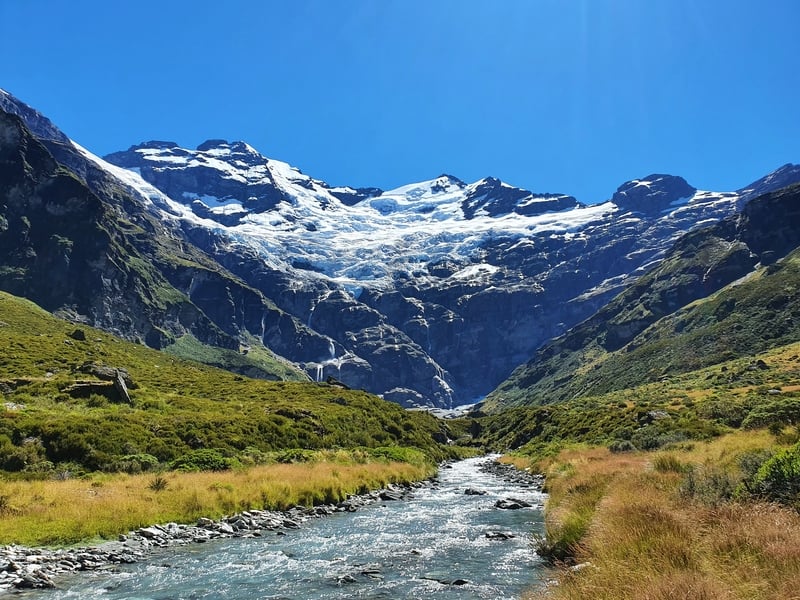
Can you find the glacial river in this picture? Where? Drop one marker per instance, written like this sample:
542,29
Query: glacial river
433,545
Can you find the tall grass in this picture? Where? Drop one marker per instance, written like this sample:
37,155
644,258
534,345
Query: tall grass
647,540
103,506
576,483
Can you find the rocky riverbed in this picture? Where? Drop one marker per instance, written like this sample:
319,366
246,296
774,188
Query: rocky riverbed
463,534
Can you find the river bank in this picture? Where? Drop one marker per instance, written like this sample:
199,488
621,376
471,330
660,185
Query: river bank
70,511
262,530
31,568
46,524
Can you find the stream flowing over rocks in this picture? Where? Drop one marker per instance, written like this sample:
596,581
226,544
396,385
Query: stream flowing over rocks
465,534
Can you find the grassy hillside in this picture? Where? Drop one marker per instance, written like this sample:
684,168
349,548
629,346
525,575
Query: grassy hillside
686,487
725,292
254,361
182,414
679,523
757,391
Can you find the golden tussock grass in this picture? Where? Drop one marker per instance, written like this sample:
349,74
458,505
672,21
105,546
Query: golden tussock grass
647,541
67,512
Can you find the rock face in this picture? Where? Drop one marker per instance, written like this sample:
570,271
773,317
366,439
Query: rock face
429,294
653,194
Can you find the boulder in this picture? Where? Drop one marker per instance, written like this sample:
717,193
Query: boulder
512,504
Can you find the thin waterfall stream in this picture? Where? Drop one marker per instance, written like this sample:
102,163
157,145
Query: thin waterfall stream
439,543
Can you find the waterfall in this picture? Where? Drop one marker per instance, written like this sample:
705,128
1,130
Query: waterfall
331,349
311,314
319,373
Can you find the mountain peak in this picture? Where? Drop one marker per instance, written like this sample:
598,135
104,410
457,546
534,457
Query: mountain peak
235,151
652,194
154,145
495,197
211,144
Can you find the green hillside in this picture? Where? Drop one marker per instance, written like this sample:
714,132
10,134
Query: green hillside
60,413
753,392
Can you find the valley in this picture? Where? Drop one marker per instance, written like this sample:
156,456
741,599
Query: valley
189,335
405,293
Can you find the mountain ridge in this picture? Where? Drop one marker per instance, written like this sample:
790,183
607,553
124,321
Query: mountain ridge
429,294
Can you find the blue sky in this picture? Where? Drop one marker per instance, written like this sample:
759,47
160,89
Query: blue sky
572,96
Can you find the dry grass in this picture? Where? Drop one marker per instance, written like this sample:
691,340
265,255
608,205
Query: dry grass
645,541
66,512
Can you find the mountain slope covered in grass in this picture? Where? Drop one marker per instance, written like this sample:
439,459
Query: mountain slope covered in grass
723,292
63,409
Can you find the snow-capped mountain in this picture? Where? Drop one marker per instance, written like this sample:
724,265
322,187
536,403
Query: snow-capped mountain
430,294
454,282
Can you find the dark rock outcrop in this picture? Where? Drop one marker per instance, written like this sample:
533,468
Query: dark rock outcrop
652,194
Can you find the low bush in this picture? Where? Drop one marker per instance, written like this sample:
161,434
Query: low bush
135,463
618,446
205,459
778,479
709,485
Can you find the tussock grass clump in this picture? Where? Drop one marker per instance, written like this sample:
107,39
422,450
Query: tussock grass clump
669,463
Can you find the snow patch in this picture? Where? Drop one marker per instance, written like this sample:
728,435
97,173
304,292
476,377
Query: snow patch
475,271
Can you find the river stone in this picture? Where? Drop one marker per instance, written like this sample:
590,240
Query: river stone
152,533
390,495
35,581
225,528
511,504
499,535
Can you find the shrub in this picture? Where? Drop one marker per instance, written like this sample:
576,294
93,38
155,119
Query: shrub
709,485
778,478
751,462
651,438
135,463
399,454
778,412
618,446
205,459
295,455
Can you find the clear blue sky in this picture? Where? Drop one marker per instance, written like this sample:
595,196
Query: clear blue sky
572,96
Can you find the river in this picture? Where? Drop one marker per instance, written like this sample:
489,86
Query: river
433,545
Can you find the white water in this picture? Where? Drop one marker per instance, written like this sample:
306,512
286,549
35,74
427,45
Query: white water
390,550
